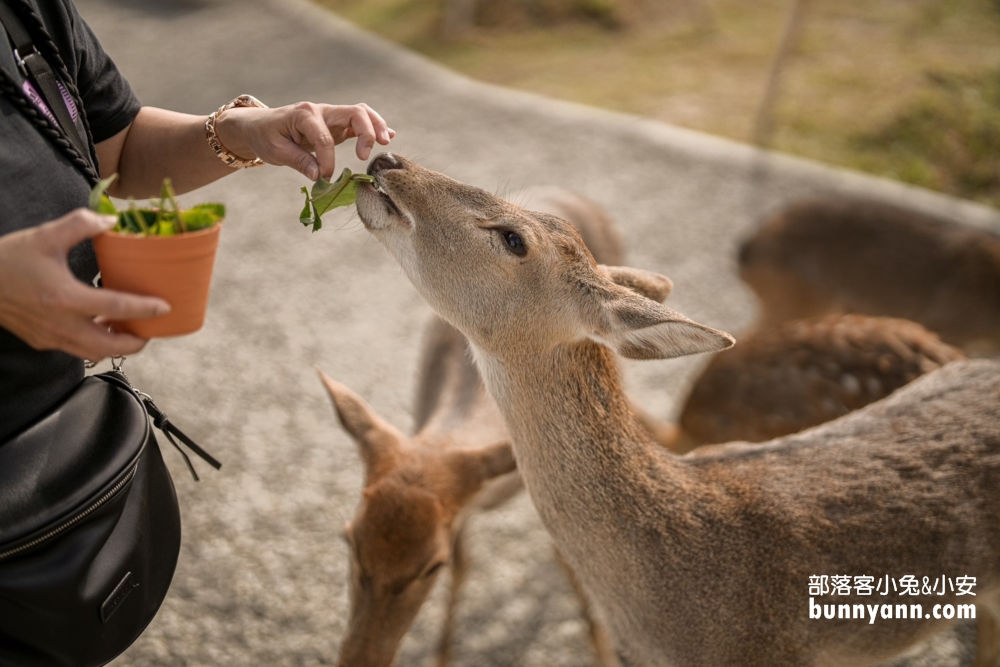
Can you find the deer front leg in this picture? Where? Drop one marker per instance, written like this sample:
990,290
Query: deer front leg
459,568
604,648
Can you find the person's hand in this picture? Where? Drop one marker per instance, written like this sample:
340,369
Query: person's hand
43,304
288,136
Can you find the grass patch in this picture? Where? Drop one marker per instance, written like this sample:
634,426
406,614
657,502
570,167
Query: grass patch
947,139
901,88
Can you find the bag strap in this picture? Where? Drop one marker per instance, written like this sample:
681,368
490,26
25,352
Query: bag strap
33,65
117,376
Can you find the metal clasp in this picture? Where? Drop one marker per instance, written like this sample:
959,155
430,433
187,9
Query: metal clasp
116,367
20,61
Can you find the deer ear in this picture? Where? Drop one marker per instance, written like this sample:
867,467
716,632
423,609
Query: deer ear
473,468
646,283
496,460
377,440
639,328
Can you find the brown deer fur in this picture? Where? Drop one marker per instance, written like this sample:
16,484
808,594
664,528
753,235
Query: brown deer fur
857,256
804,373
420,490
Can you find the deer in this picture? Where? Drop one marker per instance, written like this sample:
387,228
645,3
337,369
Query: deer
824,256
803,373
697,560
419,491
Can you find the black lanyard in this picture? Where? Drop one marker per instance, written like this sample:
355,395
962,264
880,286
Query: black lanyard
34,67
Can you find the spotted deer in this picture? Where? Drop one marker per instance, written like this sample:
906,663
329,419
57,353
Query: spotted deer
696,560
803,373
419,491
818,257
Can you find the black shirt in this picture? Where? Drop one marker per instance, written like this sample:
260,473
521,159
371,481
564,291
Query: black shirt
38,183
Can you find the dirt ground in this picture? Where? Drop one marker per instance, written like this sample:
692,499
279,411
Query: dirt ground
262,574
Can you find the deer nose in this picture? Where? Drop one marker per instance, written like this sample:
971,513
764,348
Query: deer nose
383,161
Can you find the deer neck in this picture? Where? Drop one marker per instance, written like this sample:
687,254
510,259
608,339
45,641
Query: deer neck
578,447
612,502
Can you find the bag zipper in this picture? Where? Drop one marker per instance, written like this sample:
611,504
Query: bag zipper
122,483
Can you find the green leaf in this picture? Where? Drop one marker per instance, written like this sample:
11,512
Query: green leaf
196,220
202,216
317,222
127,224
218,210
105,207
159,220
326,195
305,217
99,201
342,192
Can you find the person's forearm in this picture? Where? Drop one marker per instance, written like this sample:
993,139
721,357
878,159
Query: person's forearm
160,144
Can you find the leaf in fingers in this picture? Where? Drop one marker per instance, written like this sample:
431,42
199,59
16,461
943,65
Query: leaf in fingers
305,217
317,222
326,195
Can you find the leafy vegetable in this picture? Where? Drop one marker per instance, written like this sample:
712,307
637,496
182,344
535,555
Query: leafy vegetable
99,200
157,219
202,216
326,195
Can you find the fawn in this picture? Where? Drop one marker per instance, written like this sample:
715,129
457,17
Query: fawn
696,560
838,256
420,490
803,373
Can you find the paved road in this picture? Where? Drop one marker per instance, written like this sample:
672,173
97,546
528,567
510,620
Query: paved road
261,580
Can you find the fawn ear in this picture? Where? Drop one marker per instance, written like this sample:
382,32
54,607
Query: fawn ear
648,284
639,328
496,460
378,441
473,468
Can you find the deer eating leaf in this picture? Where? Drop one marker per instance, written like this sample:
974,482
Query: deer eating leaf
326,195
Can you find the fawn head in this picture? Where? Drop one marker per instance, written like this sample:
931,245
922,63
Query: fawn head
516,280
402,533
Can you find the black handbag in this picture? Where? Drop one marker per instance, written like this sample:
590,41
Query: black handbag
89,527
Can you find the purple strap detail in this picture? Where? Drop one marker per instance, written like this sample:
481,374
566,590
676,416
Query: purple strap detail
32,94
68,101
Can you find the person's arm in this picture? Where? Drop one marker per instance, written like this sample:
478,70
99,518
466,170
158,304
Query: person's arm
45,306
161,143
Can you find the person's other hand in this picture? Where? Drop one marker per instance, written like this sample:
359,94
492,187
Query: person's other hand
43,304
288,136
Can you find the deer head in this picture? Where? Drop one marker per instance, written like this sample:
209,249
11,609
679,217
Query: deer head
513,280
402,533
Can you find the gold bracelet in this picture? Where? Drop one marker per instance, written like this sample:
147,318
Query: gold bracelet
221,151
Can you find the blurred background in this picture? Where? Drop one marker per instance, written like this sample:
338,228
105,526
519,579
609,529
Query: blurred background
906,89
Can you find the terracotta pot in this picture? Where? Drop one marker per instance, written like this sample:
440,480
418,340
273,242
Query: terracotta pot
178,269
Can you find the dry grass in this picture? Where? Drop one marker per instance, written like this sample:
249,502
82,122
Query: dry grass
902,88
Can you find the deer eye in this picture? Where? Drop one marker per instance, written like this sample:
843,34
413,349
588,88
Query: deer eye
514,243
